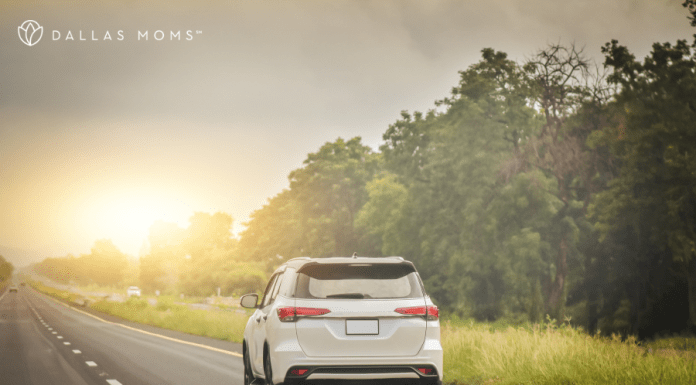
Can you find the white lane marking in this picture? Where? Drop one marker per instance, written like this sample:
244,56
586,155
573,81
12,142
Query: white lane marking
60,337
54,332
113,382
50,328
91,363
148,333
66,343
77,351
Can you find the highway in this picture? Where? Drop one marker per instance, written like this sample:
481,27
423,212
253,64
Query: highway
45,342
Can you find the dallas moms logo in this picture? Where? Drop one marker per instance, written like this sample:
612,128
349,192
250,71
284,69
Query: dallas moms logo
30,32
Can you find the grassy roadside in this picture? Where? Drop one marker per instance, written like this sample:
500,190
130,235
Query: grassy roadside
474,353
546,354
223,325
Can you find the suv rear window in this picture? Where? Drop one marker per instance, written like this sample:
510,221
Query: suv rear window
358,281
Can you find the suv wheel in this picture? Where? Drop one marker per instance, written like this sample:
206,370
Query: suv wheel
248,374
267,371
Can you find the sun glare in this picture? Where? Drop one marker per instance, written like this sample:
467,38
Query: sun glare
125,217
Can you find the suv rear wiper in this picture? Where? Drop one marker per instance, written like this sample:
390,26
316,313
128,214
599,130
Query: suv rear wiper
347,295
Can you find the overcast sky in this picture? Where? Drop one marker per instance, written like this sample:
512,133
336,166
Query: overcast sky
99,138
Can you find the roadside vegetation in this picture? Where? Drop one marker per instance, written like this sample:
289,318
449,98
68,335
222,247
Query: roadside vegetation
475,353
6,270
222,325
478,353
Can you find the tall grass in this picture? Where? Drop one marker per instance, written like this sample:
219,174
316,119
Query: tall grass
56,293
475,353
223,325
546,354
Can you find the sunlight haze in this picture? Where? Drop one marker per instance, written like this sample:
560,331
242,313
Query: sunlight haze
99,139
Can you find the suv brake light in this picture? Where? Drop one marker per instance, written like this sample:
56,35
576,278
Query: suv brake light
431,313
290,313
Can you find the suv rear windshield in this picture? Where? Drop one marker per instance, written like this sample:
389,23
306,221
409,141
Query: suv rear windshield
358,281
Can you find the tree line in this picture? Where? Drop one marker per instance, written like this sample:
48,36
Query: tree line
6,269
549,186
196,260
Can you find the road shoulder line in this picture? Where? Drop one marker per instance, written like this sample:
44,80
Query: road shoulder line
235,354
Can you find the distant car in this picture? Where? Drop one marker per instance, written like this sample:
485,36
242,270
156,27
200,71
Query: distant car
23,284
13,289
359,319
133,291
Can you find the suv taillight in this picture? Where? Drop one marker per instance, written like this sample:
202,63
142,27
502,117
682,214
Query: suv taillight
429,312
290,313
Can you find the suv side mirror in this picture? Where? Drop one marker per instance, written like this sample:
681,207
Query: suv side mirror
249,300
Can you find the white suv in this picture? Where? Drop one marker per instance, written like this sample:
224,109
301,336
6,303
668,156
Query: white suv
343,319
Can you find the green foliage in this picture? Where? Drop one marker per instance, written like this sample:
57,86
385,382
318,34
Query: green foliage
222,325
106,265
6,269
159,270
691,6
653,198
316,215
384,213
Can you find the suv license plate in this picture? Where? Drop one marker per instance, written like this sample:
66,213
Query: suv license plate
362,326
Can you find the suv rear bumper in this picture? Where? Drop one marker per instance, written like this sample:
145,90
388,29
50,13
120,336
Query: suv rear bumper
420,374
402,370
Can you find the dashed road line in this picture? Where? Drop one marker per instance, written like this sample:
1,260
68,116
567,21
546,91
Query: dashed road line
91,364
148,333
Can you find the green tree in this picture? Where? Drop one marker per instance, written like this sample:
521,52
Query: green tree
561,84
655,191
64,270
160,268
6,269
384,215
690,5
208,244
452,164
105,265
316,215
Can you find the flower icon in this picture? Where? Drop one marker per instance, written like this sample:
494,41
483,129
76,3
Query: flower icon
30,32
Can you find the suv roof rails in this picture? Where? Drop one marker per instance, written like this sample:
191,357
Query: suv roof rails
396,257
299,259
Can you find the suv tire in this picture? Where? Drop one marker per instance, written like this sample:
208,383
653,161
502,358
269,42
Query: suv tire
267,370
248,374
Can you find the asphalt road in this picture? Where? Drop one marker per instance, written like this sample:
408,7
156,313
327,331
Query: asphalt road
44,342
